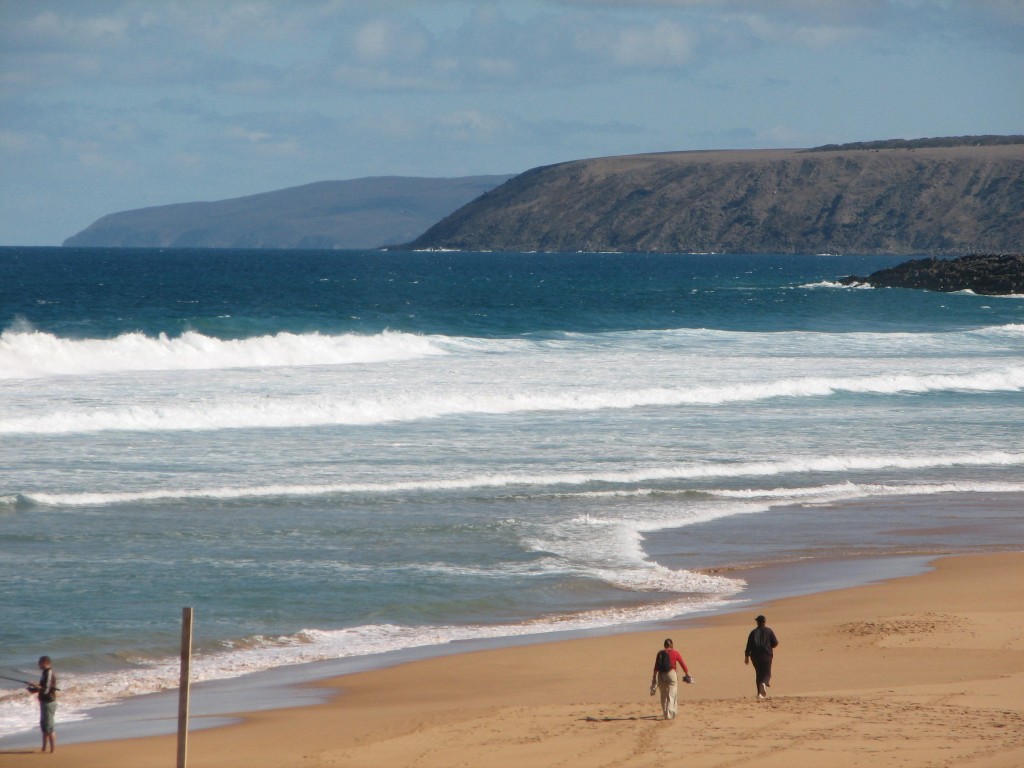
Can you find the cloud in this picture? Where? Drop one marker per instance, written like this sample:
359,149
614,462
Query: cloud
386,40
660,45
50,30
469,125
820,22
165,100
259,47
765,30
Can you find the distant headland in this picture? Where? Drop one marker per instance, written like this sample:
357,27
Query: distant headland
943,197
357,213
938,196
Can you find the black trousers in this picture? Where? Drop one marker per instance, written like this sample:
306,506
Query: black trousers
762,668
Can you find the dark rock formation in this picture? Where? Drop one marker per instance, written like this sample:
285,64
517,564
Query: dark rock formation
989,274
943,141
359,213
942,200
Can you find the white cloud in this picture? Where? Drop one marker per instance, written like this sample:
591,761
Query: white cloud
387,40
164,100
246,135
767,30
666,43
50,27
468,125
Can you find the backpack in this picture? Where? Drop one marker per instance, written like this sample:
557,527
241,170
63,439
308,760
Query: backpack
663,662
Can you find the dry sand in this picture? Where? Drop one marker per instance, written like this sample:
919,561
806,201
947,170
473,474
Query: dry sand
919,671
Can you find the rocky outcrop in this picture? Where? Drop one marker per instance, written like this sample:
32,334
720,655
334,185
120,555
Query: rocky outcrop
989,274
941,141
940,200
359,213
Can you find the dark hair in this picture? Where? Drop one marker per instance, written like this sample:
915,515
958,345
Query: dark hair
44,659
668,641
760,619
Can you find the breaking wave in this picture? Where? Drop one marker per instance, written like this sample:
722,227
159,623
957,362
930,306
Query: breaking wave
823,464
327,409
34,354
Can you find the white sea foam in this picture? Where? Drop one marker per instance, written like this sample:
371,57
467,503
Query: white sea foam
1009,329
812,494
81,693
328,409
27,353
684,471
33,354
609,547
834,284
852,490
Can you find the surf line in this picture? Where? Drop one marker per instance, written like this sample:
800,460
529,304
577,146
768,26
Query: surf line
827,464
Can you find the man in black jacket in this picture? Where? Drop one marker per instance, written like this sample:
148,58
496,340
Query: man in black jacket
761,644
46,690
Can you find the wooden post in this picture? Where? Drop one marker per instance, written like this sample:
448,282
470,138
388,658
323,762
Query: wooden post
183,688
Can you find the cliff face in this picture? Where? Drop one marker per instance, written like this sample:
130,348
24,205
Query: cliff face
359,213
936,200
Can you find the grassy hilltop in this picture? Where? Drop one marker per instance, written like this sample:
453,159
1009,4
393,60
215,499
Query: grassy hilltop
936,196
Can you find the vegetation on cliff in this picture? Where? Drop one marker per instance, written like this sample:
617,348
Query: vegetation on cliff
942,141
947,200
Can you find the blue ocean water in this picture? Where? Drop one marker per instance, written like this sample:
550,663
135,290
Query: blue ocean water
337,454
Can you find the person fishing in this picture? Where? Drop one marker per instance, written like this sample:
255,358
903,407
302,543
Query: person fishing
46,690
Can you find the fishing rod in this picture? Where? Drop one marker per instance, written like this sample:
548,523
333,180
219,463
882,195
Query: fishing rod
23,682
15,680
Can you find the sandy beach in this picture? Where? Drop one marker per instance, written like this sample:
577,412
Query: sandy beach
918,671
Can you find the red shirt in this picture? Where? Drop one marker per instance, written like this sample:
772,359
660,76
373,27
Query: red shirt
676,658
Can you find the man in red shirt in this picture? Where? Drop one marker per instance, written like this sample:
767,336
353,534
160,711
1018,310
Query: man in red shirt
665,679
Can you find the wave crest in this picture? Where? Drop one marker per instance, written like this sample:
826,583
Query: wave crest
823,464
336,410
26,354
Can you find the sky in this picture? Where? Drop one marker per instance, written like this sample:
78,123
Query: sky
111,105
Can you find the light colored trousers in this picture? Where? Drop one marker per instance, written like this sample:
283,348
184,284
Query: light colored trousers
668,687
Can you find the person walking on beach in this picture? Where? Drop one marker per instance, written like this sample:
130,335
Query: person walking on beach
665,680
46,690
761,645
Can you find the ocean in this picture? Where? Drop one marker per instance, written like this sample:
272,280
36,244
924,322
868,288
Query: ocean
341,454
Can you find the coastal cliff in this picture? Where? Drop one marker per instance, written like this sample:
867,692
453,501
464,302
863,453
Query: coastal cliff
874,198
357,213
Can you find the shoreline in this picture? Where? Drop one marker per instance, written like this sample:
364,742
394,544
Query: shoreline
214,703
859,545
433,700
